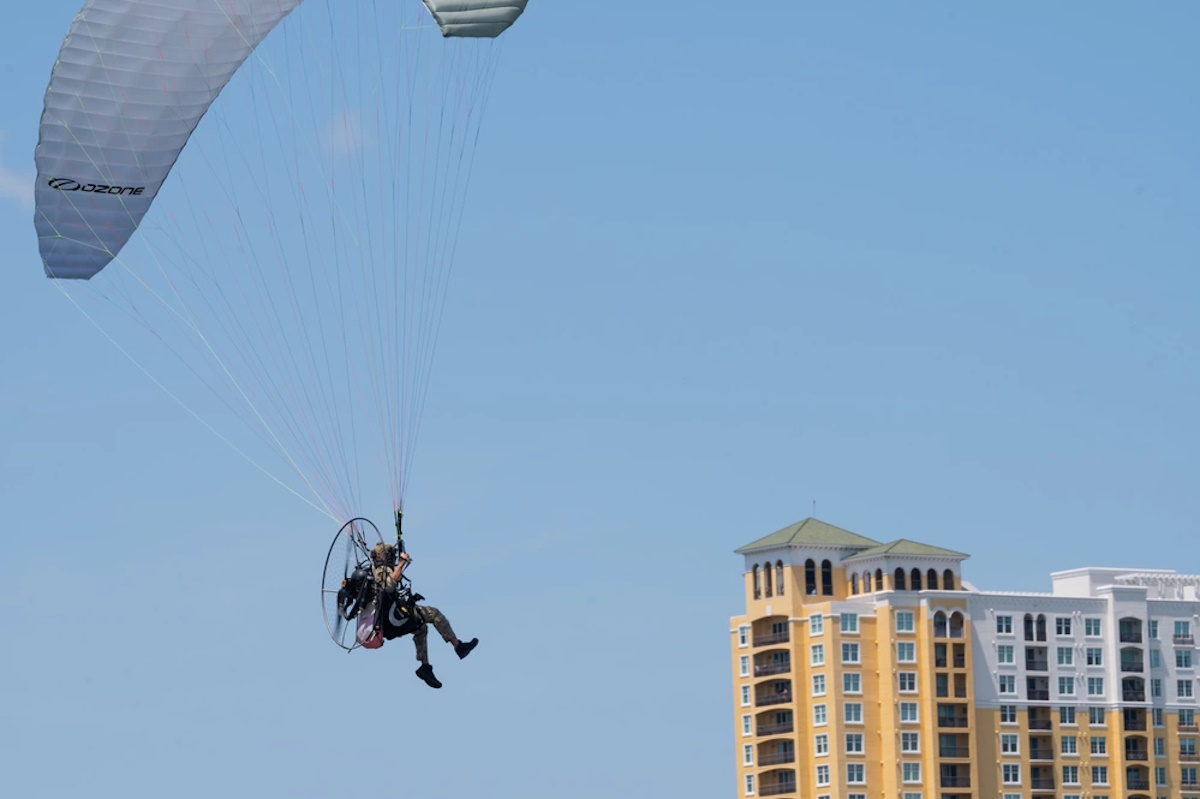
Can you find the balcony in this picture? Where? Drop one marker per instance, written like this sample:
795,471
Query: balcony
1184,640
1137,784
1132,666
1193,727
772,638
1131,636
776,758
777,789
1041,754
781,698
767,669
1137,754
960,661
960,752
1042,783
1135,725
1038,695
1133,695
1188,757
963,781
1037,665
1040,724
952,722
778,728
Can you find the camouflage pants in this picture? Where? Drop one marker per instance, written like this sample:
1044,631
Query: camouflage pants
421,636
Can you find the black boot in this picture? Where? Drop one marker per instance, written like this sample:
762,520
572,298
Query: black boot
464,647
426,674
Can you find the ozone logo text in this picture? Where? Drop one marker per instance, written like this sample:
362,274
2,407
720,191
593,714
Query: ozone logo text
67,184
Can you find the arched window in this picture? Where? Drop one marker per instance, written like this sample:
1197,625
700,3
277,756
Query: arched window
867,581
810,577
1029,627
879,579
767,578
826,578
948,580
779,577
1041,627
916,580
956,625
931,580
854,583
757,583
939,625
898,580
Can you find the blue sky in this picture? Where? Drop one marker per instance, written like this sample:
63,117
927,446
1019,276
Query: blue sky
934,269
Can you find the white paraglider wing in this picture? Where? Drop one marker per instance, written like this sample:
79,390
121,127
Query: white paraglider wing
482,18
132,80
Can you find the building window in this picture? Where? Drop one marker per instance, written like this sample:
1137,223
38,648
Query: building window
1066,686
852,712
816,624
904,621
767,578
746,728
748,754
855,773
1095,656
1153,623
819,716
810,577
779,577
1155,660
821,745
1096,716
1005,654
1066,656
911,772
1011,773
1100,775
1091,628
854,743
1008,683
826,578
749,785
1066,715
1070,775
906,652
854,584
908,712
744,665
908,682
1183,658
1160,777
851,682
849,653
1062,625
1099,745
745,696
822,775
1069,745
1095,686
818,683
744,635
1184,688
1156,691
1008,714
1004,625
1010,744
910,742
818,655
849,622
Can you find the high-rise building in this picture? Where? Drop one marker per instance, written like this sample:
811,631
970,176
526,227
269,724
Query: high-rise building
866,670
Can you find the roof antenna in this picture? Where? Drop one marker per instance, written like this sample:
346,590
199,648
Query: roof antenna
814,509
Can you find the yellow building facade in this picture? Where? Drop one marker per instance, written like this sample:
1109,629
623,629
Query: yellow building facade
868,669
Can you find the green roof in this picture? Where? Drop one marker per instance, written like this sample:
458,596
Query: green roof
812,532
903,546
